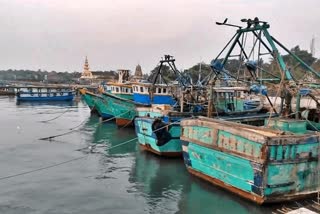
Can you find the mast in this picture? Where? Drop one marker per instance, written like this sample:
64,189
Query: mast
262,38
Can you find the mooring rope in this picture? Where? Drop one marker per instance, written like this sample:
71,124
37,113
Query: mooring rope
75,159
45,121
103,121
61,163
73,129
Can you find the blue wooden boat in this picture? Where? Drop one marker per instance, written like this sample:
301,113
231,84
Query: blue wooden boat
33,93
257,163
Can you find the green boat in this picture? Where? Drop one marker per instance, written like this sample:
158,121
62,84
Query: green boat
88,99
257,163
158,130
124,110
97,102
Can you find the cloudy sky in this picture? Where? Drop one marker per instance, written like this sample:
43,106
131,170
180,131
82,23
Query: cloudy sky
58,34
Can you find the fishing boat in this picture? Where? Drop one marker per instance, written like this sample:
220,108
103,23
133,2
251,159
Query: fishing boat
87,98
124,110
123,87
37,93
257,163
148,93
123,90
144,94
7,91
158,127
96,102
276,162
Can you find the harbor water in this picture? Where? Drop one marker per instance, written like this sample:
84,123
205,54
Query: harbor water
107,179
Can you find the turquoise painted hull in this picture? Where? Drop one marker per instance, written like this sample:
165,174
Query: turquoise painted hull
124,110
89,101
125,96
101,107
259,164
166,142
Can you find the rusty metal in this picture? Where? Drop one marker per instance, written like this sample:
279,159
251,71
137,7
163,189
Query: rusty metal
123,122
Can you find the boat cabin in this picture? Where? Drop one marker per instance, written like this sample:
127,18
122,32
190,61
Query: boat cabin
229,98
123,90
147,93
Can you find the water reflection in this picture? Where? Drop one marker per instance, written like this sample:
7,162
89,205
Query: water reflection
109,135
168,188
47,103
164,185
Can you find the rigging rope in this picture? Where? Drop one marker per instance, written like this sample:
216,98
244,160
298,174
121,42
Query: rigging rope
278,91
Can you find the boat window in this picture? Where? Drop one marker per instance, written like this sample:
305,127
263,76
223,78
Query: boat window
159,90
141,89
164,90
117,89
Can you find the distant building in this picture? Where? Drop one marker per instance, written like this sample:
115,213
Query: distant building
95,77
123,75
138,76
104,76
86,73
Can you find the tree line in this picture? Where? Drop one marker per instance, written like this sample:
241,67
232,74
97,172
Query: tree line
232,66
